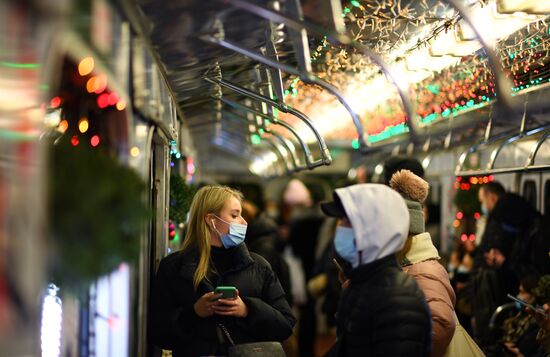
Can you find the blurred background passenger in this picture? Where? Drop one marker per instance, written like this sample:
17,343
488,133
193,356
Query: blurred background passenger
515,244
300,223
459,267
401,162
262,235
519,331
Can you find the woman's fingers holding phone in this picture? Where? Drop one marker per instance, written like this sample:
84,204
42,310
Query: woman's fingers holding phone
204,306
231,307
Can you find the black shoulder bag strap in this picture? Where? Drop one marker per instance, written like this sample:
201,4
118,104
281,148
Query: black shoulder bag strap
222,331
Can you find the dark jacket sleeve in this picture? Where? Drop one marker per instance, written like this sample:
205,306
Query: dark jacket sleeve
269,318
334,350
171,322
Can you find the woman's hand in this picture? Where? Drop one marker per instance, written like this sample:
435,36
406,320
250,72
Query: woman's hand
204,307
231,307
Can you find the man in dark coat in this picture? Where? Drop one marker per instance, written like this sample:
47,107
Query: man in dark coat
514,245
382,311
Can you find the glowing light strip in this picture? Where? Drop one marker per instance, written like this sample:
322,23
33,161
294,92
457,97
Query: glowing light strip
50,331
16,65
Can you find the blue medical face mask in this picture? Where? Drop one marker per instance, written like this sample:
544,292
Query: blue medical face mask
236,234
518,305
484,210
344,243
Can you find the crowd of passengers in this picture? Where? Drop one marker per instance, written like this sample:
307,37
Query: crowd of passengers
371,266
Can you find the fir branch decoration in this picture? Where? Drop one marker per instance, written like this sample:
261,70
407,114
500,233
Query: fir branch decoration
181,196
98,214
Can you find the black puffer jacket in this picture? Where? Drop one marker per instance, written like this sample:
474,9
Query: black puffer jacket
261,238
382,313
176,327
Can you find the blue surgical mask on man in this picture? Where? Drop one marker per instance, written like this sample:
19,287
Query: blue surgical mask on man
484,210
344,243
236,234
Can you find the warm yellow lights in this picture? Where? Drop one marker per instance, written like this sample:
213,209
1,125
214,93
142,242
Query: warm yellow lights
422,60
491,24
494,25
91,85
63,126
134,151
86,66
121,105
96,84
83,125
449,45
528,6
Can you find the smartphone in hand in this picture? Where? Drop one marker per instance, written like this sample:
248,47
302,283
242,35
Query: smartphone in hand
338,266
228,292
538,309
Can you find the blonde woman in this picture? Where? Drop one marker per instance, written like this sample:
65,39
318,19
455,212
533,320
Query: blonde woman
186,311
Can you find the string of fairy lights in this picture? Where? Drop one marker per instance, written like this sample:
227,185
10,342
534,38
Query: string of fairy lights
469,84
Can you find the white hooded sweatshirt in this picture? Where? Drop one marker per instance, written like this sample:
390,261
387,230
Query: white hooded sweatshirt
379,217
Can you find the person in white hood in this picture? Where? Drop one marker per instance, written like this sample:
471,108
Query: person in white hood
382,311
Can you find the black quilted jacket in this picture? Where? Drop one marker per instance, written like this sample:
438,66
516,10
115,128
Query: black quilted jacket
382,313
175,326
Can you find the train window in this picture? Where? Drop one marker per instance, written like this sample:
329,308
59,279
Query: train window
546,202
530,192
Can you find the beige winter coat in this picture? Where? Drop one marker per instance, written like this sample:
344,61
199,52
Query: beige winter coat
421,263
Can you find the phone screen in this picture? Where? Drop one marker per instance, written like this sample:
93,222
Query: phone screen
526,304
338,266
228,292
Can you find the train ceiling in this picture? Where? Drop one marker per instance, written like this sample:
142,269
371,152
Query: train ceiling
436,59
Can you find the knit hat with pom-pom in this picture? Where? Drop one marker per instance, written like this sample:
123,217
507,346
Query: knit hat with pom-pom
414,190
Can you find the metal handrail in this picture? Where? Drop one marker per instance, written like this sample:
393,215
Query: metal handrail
326,158
295,164
528,165
275,121
279,154
535,150
277,136
338,38
305,76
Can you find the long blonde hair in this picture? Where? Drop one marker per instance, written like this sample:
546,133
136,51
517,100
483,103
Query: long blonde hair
209,199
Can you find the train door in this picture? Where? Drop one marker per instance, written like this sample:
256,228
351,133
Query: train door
545,194
159,179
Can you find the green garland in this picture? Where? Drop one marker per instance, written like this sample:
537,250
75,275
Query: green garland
181,196
98,214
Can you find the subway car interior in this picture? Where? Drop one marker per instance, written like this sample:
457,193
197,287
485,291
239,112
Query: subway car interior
115,113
